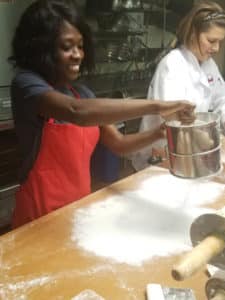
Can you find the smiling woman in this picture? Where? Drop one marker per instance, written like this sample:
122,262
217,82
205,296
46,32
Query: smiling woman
58,122
69,54
189,71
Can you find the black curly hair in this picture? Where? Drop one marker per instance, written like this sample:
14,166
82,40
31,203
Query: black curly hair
35,39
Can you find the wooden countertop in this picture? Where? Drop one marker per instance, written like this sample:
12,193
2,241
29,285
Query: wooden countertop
39,261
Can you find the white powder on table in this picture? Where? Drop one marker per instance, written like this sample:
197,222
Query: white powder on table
152,221
18,289
178,192
88,295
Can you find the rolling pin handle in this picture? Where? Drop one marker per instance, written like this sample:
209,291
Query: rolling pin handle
198,257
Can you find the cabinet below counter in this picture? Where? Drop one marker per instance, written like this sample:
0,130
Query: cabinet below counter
9,164
9,158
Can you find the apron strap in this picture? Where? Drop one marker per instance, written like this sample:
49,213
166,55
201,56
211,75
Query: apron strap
75,93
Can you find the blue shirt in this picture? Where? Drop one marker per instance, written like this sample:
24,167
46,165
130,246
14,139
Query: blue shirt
28,123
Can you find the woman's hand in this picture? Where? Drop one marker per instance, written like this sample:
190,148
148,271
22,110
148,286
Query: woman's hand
177,110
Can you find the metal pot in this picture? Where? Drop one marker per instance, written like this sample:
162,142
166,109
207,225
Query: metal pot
194,150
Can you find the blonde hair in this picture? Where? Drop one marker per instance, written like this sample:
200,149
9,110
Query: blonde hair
200,18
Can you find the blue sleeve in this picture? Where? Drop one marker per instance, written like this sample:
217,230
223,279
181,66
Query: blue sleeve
30,84
24,87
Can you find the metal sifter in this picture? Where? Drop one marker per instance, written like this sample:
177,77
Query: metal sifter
194,149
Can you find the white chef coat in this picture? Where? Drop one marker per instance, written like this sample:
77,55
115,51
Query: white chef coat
179,76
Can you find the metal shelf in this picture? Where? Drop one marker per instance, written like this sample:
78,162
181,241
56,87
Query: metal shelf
117,85
6,124
107,34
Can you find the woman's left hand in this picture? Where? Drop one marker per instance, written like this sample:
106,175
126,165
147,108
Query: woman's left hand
178,110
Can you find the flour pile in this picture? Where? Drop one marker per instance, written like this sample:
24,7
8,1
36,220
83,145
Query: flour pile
151,221
178,192
87,295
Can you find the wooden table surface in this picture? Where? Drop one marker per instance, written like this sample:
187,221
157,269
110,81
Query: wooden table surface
40,261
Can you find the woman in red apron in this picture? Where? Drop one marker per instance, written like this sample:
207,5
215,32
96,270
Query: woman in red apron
53,180
57,131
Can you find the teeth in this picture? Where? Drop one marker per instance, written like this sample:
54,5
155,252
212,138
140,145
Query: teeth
75,67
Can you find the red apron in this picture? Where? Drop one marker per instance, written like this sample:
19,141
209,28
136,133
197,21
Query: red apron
60,174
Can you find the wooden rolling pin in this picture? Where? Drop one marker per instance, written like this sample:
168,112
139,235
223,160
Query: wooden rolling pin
208,237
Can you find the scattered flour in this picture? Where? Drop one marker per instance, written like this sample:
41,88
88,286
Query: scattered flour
87,295
17,290
152,221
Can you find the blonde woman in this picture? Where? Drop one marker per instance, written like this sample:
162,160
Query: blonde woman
189,71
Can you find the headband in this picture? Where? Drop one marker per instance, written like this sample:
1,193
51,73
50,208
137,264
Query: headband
214,16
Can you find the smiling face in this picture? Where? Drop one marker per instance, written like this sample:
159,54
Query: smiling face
208,43
69,54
